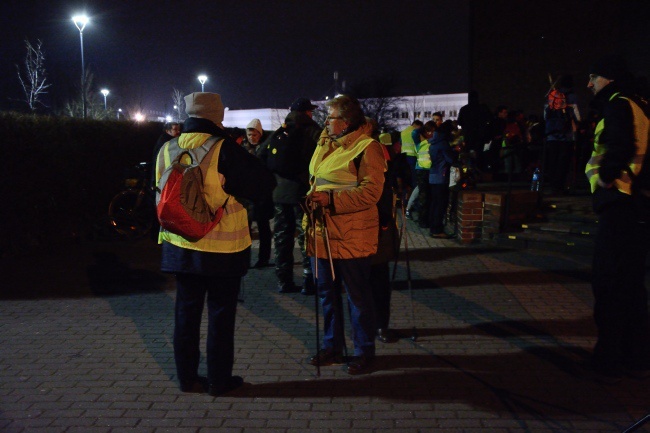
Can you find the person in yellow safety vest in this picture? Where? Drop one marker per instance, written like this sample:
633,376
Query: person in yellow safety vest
422,167
623,238
347,174
211,267
408,146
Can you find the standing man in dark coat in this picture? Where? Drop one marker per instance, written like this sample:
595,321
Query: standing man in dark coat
474,118
622,203
289,193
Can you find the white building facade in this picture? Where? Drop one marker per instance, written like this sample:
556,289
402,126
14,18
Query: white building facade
410,108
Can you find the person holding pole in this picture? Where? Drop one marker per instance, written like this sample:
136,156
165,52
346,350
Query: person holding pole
347,179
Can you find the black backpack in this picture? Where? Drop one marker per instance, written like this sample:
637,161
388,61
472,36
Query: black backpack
284,155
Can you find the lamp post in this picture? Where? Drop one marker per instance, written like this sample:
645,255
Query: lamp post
105,92
202,80
119,111
80,21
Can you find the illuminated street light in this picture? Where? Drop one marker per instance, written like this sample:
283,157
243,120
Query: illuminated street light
119,111
80,21
105,92
202,80
139,117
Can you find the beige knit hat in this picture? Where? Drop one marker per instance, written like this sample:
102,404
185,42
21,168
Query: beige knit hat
255,124
205,106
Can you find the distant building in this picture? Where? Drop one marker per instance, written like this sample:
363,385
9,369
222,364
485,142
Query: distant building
409,108
271,118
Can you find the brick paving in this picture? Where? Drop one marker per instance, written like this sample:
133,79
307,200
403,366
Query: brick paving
85,337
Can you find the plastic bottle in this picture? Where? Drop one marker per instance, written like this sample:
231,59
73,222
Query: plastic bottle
534,184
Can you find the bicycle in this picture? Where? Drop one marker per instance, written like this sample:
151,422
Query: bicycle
132,212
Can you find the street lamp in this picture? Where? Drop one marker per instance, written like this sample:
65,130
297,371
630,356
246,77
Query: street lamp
80,21
202,80
178,116
119,111
105,92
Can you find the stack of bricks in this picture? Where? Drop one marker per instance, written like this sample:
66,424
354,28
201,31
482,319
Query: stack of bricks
470,216
494,213
483,215
522,205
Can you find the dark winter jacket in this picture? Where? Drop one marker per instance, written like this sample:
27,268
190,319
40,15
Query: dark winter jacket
291,191
441,159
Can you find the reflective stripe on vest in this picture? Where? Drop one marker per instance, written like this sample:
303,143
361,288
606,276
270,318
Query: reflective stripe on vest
231,235
424,159
408,145
333,173
641,125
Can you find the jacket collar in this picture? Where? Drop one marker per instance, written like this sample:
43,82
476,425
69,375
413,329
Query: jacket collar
196,124
349,139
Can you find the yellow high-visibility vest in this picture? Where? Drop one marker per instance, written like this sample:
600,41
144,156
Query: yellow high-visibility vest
408,145
424,159
231,235
641,126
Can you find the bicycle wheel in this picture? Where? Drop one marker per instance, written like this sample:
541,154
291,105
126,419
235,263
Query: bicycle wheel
131,214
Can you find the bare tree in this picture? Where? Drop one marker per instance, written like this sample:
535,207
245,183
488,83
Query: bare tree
94,104
384,110
179,103
34,78
414,109
375,96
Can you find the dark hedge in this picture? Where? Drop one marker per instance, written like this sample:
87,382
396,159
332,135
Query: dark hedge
59,175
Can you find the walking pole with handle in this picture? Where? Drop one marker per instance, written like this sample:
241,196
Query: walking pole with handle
339,299
403,234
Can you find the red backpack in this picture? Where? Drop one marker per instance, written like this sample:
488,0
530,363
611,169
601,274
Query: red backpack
556,100
181,202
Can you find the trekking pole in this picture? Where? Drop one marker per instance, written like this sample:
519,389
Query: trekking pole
339,300
327,245
414,333
637,424
399,240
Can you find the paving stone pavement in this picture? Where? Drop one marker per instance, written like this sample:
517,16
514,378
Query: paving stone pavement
85,337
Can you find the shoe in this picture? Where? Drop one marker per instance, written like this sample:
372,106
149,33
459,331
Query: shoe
386,335
326,357
288,287
197,386
308,287
231,384
359,365
261,264
408,215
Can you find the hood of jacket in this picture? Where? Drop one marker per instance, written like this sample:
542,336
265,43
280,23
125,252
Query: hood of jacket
196,131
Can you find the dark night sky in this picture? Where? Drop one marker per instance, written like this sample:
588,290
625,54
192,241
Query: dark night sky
256,53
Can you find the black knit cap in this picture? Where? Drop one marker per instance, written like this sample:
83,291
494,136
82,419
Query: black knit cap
612,67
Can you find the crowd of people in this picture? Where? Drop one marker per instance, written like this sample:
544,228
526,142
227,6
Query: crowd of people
334,189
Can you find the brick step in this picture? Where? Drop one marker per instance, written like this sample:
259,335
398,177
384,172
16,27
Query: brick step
577,228
547,241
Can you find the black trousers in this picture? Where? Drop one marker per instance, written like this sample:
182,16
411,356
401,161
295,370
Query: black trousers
381,293
621,299
286,222
439,202
191,293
